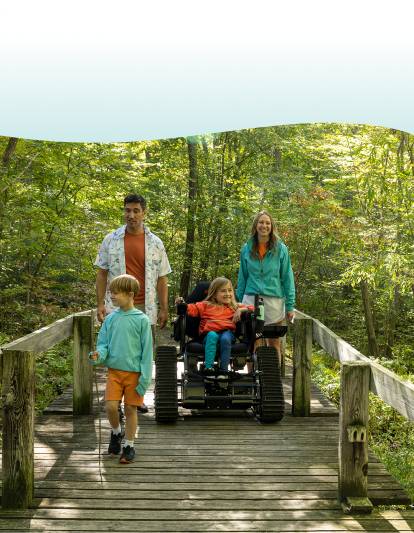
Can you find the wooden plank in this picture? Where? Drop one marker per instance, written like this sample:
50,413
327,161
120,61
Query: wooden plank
205,486
91,440
167,468
302,362
133,476
45,338
152,504
144,514
377,496
155,526
18,428
394,390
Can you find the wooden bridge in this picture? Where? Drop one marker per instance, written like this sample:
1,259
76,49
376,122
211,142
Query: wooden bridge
207,472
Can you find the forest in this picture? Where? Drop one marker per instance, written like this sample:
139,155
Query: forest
341,195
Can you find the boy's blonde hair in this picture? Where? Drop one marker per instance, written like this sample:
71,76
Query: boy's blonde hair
125,284
215,286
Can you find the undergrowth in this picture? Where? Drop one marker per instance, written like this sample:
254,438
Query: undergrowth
54,373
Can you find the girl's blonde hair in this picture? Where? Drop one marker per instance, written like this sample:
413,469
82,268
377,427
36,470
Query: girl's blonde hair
215,286
125,284
273,236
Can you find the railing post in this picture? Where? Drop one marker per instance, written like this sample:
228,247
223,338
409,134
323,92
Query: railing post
283,351
302,362
353,437
19,374
82,368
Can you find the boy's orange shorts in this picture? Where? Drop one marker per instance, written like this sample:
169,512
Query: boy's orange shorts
120,383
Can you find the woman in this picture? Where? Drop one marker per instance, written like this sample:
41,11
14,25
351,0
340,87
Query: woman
265,269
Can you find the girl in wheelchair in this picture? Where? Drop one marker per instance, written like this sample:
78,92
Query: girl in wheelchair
219,313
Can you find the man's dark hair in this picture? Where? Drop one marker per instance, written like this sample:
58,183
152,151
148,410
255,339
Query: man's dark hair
135,199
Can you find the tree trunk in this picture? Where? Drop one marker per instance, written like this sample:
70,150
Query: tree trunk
8,153
203,233
4,167
191,213
395,307
369,322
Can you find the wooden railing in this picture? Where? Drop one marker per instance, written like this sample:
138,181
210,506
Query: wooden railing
359,375
18,373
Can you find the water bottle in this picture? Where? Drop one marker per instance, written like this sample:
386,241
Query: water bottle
261,309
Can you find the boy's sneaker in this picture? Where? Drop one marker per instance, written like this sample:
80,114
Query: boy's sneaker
115,445
128,455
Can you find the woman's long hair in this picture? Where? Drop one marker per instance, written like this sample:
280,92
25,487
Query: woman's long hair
273,236
215,286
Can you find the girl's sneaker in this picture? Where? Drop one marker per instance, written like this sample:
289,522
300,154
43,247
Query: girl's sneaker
115,445
128,455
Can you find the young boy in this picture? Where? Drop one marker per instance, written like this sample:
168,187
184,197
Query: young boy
125,347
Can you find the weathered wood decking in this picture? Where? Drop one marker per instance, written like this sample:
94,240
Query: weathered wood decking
207,472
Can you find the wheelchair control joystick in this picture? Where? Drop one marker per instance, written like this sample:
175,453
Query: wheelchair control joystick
181,309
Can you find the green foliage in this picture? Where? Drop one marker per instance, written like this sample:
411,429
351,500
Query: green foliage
54,373
325,375
4,339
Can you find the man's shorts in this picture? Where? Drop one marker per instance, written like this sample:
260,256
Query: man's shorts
120,383
141,307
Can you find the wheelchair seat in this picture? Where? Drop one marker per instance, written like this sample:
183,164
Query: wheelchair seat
199,348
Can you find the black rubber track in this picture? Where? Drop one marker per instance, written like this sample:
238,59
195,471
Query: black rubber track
272,405
166,402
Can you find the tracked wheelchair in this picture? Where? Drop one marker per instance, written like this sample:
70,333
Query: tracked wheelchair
261,389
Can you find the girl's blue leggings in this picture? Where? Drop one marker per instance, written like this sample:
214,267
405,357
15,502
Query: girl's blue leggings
227,339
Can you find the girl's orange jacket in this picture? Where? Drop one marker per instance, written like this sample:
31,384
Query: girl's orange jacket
214,317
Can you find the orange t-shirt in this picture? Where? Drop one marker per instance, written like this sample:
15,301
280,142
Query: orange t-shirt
214,317
263,249
134,248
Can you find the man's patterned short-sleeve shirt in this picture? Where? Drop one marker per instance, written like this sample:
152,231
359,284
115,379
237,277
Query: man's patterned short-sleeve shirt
111,256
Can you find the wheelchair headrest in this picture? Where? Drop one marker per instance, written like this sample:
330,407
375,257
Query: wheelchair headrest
199,293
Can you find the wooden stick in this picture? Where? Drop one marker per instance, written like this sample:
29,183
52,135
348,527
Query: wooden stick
18,428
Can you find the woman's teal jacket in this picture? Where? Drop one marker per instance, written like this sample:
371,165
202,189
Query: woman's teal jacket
273,276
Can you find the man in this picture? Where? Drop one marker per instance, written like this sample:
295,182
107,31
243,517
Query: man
133,249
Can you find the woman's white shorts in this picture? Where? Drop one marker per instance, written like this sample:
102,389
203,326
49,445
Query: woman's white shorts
274,308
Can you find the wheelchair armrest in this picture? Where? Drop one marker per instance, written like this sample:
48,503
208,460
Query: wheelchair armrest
247,316
181,309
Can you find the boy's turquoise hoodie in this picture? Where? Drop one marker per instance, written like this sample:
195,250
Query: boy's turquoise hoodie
125,343
273,276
